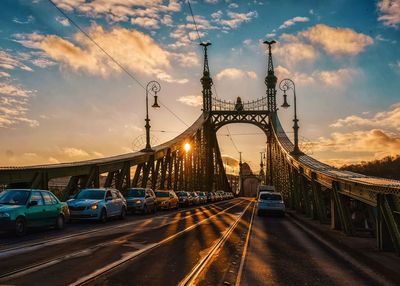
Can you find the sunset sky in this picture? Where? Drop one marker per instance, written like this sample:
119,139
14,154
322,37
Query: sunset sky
62,99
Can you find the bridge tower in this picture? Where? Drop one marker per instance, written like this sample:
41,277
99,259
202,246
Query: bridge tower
270,80
206,81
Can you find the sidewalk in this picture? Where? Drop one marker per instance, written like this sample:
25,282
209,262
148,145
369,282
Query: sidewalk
362,249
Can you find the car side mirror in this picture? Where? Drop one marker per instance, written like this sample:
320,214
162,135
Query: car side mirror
33,203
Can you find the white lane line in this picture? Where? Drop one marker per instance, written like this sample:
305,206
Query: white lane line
84,280
12,251
243,260
190,279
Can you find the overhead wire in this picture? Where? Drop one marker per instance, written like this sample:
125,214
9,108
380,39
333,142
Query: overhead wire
215,89
112,58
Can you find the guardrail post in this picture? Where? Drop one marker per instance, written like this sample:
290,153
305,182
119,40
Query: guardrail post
318,200
388,232
40,181
342,211
71,187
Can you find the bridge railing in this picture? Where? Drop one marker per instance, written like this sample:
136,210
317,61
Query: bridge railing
309,184
224,105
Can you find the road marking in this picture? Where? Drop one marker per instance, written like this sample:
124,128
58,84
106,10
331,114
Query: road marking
7,252
191,278
242,261
100,272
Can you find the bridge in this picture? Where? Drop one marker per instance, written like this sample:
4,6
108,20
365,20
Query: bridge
309,187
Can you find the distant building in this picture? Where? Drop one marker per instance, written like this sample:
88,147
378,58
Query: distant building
249,181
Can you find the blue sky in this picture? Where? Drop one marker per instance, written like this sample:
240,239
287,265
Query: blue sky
62,99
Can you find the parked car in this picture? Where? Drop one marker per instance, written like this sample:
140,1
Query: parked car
270,202
202,197
141,199
210,197
24,208
195,198
97,204
166,199
184,199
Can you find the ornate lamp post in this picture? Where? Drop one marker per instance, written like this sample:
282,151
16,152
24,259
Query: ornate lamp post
285,85
154,87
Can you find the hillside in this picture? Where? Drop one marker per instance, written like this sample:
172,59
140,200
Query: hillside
388,167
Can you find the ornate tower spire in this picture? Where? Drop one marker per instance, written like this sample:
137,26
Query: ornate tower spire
206,81
270,80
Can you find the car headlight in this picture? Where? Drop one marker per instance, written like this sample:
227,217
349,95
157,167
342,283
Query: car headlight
94,207
5,215
138,202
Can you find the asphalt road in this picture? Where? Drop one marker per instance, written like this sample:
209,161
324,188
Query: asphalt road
158,250
196,246
280,253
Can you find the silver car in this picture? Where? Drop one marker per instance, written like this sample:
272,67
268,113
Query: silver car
141,199
270,202
97,204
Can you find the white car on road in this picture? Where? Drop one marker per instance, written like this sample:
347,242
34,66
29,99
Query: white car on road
270,202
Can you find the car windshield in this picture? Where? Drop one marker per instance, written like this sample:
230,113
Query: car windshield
181,194
270,197
136,193
162,194
90,195
14,197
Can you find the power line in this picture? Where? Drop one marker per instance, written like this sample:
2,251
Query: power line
111,57
194,21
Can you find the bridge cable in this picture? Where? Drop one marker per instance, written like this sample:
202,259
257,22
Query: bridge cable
215,89
112,58
194,21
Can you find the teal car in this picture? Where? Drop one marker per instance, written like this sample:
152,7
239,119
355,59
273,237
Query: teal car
24,208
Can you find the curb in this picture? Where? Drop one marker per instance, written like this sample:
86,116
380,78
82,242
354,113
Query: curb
387,273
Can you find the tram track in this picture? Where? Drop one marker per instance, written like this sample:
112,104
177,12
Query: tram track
23,271
91,278
30,246
193,276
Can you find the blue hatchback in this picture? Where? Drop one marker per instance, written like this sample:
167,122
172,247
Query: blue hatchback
97,204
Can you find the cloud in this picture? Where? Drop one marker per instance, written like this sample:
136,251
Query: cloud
74,152
233,6
14,101
167,20
10,89
10,62
296,52
375,141
191,100
331,78
136,50
28,20
389,12
53,160
4,74
211,1
119,10
389,119
235,73
337,41
234,19
63,21
293,21
145,22
336,77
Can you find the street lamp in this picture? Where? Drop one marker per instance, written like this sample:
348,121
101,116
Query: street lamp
285,85
154,87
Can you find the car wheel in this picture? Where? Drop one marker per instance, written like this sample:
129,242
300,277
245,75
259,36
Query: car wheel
145,210
20,226
123,213
60,222
103,216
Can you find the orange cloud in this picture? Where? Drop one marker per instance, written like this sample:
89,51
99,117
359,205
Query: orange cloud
136,50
